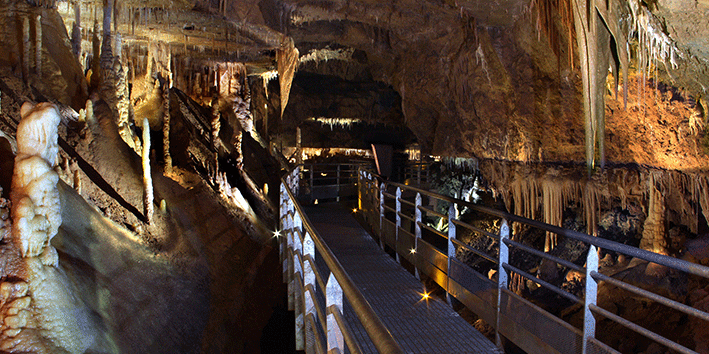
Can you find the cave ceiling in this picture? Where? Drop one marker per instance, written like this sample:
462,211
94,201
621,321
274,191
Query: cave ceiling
485,79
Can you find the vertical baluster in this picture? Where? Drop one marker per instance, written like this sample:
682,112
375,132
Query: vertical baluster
361,189
335,339
312,184
381,215
417,233
299,288
398,223
418,174
308,296
451,248
338,182
501,274
589,322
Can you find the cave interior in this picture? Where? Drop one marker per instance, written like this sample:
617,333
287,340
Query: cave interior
142,145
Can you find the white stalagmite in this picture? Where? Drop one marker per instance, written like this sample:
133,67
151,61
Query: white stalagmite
36,212
26,48
147,178
38,45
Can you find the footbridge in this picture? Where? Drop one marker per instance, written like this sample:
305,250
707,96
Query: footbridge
354,274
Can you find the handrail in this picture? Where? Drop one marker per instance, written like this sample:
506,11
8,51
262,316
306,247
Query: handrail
377,331
511,315
661,259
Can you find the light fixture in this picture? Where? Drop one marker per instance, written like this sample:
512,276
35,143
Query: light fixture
277,233
412,251
354,210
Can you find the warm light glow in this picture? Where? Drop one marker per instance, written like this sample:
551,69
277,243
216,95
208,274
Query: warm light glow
323,174
425,296
354,210
277,233
412,251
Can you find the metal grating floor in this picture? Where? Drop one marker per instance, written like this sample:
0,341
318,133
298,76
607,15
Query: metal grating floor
419,326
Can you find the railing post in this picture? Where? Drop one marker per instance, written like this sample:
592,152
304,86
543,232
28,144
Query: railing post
291,235
501,274
295,188
360,188
338,182
312,183
382,188
299,288
417,233
282,248
398,223
418,175
451,248
333,294
309,283
589,322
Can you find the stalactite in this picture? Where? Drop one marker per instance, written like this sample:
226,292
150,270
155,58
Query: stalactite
166,128
287,57
147,177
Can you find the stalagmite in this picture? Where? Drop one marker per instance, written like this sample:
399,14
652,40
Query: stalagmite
147,177
36,211
38,45
216,125
76,31
26,48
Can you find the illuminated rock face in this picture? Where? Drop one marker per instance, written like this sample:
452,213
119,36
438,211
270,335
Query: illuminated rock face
41,313
36,213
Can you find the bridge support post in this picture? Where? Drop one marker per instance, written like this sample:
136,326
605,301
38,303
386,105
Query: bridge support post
451,249
501,275
417,231
382,188
333,295
309,289
398,223
589,322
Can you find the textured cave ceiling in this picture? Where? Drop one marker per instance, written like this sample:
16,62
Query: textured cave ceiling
485,79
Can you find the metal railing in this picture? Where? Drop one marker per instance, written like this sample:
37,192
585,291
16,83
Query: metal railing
316,294
329,180
398,213
416,173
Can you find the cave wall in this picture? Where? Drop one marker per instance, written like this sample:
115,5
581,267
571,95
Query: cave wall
478,85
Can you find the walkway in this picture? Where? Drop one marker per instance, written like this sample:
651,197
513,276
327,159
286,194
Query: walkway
418,325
